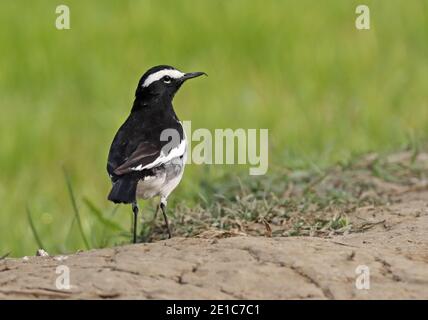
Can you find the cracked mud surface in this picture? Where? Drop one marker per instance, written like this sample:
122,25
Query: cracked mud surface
245,267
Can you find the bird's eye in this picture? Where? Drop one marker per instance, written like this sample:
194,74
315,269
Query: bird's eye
167,79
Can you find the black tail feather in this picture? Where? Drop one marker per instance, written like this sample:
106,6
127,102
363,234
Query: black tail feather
123,190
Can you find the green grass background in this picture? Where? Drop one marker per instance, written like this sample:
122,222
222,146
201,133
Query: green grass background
300,68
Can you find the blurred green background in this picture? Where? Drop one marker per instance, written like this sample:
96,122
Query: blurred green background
325,90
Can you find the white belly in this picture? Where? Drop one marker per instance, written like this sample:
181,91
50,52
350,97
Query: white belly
150,187
163,182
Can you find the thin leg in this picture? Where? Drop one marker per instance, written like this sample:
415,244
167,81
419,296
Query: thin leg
163,207
156,212
135,210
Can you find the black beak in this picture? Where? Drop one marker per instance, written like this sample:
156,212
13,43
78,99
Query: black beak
191,75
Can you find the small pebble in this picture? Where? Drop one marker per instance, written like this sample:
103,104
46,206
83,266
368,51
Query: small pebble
42,253
61,258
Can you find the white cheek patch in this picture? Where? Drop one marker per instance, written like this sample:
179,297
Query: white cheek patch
160,74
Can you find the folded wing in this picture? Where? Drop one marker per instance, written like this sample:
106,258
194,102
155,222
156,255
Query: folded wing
147,156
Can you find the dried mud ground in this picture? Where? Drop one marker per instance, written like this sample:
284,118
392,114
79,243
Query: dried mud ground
278,255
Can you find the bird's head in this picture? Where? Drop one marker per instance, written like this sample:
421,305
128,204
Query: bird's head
163,81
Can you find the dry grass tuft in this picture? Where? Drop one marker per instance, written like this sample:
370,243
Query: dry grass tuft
300,203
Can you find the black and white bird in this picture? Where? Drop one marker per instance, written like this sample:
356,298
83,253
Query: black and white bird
148,153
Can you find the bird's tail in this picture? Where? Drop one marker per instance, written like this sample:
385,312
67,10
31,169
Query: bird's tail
123,190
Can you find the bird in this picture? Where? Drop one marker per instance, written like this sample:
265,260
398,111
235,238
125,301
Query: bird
149,151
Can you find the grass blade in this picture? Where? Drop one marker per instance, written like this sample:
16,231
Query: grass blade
106,240
33,229
75,209
101,218
4,256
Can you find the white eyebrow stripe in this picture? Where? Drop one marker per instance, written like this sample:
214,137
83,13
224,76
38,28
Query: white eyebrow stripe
160,74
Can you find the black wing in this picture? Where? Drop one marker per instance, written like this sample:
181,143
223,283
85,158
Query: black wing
145,154
132,149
